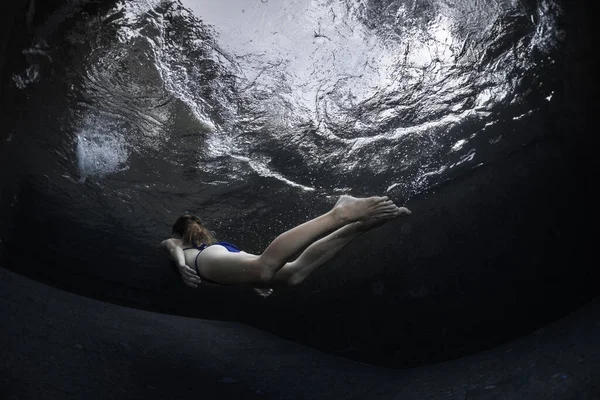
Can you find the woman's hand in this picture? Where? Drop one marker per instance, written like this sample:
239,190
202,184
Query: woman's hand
264,293
189,276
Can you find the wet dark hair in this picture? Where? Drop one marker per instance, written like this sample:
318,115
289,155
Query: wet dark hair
190,229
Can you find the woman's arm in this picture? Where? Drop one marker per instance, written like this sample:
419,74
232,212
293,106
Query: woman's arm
175,251
189,276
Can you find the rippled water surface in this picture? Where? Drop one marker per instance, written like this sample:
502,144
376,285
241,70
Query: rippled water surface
321,96
260,113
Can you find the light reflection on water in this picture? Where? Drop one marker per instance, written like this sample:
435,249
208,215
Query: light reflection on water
375,95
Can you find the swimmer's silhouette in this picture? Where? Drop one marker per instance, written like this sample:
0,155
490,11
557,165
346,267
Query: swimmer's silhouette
200,257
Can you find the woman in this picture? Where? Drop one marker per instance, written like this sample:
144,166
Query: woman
200,258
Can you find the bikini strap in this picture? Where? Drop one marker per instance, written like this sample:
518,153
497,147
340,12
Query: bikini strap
200,248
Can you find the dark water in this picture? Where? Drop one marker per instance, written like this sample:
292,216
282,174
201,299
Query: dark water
257,115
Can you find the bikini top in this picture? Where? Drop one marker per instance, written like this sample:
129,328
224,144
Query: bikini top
201,247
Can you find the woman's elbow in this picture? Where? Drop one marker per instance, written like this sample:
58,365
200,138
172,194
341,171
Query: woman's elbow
166,244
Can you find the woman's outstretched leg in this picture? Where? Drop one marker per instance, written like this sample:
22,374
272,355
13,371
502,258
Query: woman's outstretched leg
217,264
347,210
324,249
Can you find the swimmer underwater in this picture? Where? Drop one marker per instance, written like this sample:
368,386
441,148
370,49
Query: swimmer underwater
200,258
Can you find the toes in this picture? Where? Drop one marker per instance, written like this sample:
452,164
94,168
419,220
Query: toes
379,200
386,204
393,212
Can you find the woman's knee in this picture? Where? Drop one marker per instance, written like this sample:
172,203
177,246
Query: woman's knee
273,272
282,281
268,267
295,279
264,273
265,276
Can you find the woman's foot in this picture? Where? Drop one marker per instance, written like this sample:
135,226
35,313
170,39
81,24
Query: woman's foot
375,222
349,209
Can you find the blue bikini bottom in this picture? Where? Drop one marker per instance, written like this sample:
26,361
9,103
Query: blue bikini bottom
232,248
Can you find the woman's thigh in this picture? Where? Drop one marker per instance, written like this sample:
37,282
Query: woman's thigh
218,264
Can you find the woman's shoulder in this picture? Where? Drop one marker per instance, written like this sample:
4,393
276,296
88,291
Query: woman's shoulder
176,242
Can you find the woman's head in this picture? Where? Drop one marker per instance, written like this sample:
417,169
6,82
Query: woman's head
189,228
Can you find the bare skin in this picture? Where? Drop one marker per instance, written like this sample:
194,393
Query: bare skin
318,253
349,218
324,249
